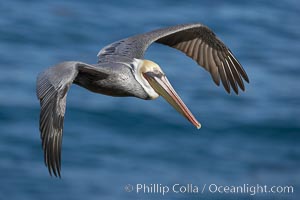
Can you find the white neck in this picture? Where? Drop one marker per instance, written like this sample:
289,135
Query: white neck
138,67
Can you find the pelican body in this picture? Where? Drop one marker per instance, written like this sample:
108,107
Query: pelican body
122,71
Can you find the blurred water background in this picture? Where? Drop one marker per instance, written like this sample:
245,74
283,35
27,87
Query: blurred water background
109,142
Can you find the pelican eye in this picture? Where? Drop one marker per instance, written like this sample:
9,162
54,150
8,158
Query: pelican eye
154,74
156,71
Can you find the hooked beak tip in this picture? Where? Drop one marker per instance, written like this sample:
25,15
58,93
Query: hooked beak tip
195,123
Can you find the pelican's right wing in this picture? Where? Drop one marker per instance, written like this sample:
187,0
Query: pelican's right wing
51,89
196,41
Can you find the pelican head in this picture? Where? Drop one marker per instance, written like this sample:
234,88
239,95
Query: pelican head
155,83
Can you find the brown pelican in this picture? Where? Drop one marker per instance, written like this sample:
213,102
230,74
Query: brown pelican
122,71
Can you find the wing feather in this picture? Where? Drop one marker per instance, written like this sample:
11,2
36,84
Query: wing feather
196,41
196,49
230,76
191,48
213,69
52,87
224,78
236,74
201,54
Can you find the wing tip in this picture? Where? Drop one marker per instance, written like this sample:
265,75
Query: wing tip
54,171
52,160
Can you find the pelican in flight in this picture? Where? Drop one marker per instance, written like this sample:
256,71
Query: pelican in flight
122,71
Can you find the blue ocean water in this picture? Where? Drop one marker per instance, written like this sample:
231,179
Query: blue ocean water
110,142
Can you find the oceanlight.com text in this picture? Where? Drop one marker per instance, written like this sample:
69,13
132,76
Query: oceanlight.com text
250,189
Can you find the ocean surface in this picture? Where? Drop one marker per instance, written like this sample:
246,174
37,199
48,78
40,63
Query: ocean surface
108,142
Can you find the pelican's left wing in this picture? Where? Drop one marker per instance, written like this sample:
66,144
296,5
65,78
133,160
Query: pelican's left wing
196,41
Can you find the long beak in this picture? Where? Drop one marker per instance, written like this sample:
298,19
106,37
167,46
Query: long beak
162,86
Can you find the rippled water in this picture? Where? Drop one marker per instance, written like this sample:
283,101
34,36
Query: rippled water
109,142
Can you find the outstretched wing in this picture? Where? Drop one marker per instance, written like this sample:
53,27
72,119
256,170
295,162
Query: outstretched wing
196,41
52,87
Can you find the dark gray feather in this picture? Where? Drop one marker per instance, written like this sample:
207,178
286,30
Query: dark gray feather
52,87
195,40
